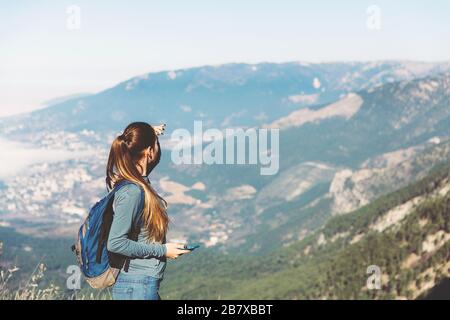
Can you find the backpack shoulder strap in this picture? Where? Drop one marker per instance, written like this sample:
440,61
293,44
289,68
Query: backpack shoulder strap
136,227
122,183
108,216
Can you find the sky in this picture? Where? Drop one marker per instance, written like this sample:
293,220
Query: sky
48,50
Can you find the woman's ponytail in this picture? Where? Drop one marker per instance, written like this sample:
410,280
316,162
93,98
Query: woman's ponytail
125,152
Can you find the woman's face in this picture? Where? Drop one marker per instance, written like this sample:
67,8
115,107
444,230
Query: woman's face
154,157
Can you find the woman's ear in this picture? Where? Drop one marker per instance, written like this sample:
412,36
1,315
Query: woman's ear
151,153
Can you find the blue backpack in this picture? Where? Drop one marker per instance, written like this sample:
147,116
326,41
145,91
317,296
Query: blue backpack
98,265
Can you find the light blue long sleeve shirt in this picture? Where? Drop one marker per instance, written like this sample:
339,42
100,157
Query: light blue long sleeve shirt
147,258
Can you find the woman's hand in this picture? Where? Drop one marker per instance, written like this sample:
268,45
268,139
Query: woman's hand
174,250
159,129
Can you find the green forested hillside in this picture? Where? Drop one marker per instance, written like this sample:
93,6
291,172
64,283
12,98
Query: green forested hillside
406,234
26,252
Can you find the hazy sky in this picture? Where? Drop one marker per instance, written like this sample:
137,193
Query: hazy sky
44,55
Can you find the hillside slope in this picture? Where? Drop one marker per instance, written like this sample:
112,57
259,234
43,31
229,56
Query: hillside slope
406,234
349,190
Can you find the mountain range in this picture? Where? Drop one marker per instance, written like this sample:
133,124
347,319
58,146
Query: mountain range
405,235
353,137
222,96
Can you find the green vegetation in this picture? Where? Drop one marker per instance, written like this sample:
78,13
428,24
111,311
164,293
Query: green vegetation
27,252
335,269
412,254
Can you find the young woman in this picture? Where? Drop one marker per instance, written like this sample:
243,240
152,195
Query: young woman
133,155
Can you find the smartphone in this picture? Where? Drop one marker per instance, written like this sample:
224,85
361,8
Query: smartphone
191,246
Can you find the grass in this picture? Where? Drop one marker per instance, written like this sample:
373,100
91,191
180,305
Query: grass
33,289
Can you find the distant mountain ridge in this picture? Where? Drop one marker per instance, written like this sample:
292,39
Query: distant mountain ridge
226,95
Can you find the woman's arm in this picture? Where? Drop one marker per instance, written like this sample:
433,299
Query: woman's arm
126,205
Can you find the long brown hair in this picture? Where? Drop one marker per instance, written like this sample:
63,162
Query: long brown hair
126,150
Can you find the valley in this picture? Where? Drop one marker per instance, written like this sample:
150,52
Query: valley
363,177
